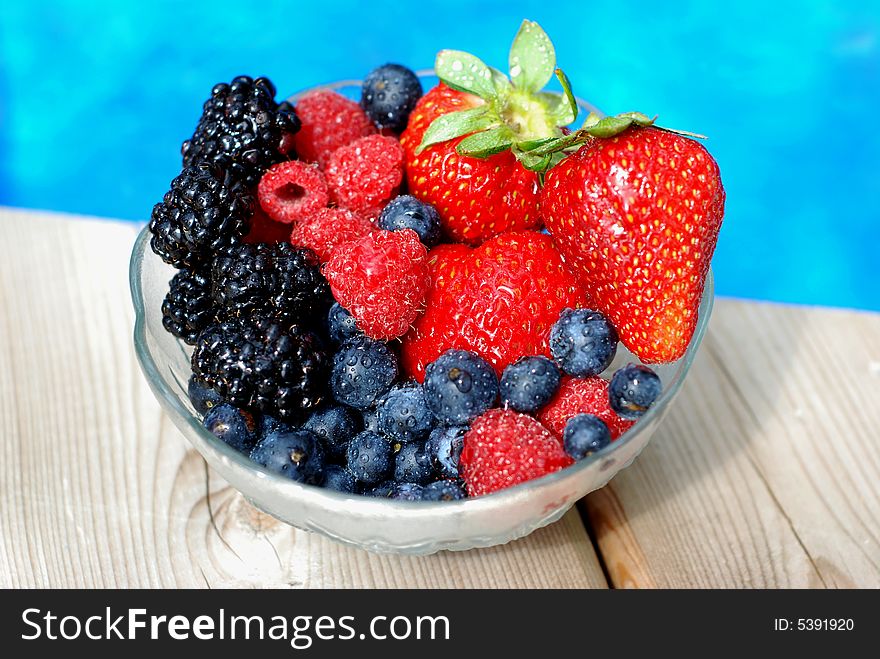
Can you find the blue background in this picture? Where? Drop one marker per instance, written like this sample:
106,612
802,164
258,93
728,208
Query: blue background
97,98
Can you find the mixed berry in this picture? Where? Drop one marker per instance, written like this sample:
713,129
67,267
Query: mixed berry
419,296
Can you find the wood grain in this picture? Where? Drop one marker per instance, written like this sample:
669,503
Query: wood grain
766,473
97,488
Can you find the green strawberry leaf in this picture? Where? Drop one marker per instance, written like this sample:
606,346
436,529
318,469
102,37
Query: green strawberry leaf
566,110
609,126
591,120
455,124
464,72
502,85
532,58
487,143
532,161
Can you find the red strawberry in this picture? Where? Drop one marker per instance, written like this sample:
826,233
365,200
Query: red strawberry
382,280
499,300
266,230
445,262
291,191
581,396
328,228
329,121
364,175
638,216
476,199
504,448
466,138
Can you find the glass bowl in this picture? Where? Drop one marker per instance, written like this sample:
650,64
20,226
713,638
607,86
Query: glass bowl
382,525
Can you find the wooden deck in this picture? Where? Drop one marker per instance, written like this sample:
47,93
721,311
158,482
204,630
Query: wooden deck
766,473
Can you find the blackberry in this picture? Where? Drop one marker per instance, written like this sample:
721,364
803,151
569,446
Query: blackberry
205,211
188,307
242,129
263,365
278,278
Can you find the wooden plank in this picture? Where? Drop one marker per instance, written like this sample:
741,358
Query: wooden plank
766,473
97,488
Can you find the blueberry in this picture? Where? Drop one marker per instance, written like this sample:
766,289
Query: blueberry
232,425
584,435
407,212
383,490
412,464
269,423
633,389
369,457
407,492
341,324
370,418
202,397
583,342
444,450
403,413
460,386
335,425
443,491
363,371
296,454
529,383
389,94
339,479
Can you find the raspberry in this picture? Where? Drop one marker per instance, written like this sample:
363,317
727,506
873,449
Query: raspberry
329,121
364,175
266,230
328,228
581,396
291,191
504,448
382,280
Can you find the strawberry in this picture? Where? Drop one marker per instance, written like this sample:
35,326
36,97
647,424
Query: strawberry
464,139
381,279
498,300
581,396
504,448
637,215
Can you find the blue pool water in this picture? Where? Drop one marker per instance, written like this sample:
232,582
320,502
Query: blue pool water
96,99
